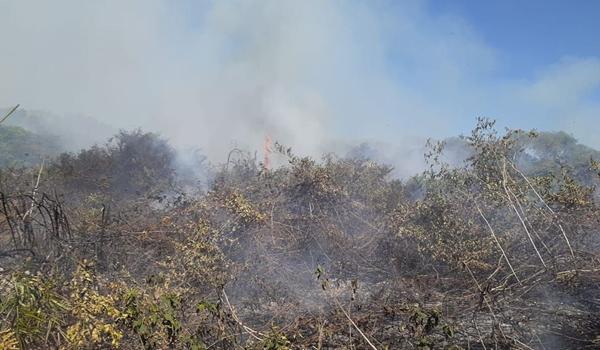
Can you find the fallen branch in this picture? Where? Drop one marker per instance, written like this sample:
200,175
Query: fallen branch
248,330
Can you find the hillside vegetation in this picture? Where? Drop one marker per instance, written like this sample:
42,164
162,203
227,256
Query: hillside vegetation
109,248
19,147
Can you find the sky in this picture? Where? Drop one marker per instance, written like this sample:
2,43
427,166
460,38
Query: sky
531,33
311,74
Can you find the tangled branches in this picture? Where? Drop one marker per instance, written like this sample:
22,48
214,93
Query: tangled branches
315,254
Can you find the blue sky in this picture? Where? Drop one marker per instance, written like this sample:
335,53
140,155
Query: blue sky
312,73
531,33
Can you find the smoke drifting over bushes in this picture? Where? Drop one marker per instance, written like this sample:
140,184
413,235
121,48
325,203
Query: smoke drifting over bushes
141,242
107,249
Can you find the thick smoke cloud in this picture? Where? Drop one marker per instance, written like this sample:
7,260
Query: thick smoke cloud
223,74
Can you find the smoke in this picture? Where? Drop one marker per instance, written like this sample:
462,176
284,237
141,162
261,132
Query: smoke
223,74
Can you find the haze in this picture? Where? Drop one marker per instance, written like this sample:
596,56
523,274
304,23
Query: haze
311,74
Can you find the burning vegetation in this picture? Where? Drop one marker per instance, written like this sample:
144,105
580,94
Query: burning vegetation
108,248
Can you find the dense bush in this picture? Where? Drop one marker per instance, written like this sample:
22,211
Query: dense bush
133,163
105,253
19,147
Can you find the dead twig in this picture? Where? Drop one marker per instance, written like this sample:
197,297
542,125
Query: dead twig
498,244
9,113
253,333
354,324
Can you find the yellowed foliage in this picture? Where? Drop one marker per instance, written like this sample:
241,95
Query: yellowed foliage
8,340
96,314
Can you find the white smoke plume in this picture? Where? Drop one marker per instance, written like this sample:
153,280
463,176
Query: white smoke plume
223,74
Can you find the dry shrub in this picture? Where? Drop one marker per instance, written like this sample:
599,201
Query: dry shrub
315,254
